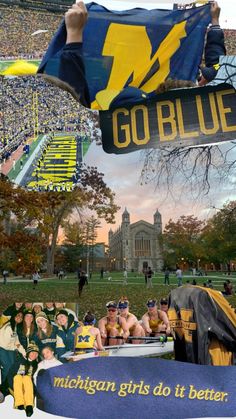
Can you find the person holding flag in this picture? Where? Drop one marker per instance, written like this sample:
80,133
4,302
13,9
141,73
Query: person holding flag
71,71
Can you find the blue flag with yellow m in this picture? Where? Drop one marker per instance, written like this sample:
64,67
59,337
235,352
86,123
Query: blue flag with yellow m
137,48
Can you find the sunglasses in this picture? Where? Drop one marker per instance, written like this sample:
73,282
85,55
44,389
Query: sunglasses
112,309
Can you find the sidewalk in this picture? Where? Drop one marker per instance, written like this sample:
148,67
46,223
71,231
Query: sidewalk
6,167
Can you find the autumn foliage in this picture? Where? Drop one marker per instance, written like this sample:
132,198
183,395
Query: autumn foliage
30,220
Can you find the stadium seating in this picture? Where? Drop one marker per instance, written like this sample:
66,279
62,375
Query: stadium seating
18,23
29,105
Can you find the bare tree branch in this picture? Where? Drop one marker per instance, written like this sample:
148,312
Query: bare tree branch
196,168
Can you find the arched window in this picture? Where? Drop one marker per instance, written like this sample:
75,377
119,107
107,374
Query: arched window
142,244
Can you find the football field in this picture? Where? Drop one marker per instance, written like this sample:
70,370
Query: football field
56,163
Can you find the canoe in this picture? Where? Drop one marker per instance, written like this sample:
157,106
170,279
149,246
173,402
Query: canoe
127,349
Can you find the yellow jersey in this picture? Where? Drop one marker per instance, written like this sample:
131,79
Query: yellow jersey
85,339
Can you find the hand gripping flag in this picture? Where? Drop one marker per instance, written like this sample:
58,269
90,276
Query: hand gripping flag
137,48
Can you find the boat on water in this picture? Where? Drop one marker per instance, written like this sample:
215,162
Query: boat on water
147,349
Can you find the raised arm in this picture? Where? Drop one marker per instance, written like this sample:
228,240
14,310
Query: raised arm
71,67
75,20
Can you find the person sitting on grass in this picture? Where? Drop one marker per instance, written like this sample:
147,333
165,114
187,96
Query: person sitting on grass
228,288
87,336
135,328
19,381
154,321
113,325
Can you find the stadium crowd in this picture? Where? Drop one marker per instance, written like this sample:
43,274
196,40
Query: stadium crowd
17,27
30,105
20,98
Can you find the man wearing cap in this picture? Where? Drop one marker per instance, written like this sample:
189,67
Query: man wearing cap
66,333
135,328
87,336
154,320
112,325
19,380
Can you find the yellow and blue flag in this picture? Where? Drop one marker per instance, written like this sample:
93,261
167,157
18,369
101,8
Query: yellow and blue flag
137,48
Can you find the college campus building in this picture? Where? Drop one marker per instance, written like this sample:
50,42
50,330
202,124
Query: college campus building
136,246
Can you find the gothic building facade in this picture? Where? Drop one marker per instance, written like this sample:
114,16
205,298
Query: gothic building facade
136,246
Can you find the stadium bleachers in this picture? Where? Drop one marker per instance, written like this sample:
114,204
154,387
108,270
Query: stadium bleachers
29,104
18,23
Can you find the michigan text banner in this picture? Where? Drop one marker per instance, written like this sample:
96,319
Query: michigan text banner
138,48
137,388
180,117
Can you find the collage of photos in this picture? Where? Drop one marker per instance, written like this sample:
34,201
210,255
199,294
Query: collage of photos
117,197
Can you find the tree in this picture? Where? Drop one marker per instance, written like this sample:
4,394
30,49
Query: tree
47,211
196,168
92,224
74,233
181,240
219,235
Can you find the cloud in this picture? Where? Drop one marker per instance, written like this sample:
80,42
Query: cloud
122,174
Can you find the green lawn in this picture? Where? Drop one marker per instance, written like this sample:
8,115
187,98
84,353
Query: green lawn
98,292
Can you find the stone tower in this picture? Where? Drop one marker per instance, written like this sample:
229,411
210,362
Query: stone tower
157,222
125,231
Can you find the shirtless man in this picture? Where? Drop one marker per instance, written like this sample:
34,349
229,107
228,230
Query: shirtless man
113,325
135,328
88,336
155,321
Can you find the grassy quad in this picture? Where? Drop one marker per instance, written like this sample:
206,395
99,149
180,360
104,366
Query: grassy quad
99,291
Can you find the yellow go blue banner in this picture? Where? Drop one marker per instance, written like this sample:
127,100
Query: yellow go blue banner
180,117
138,48
137,388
